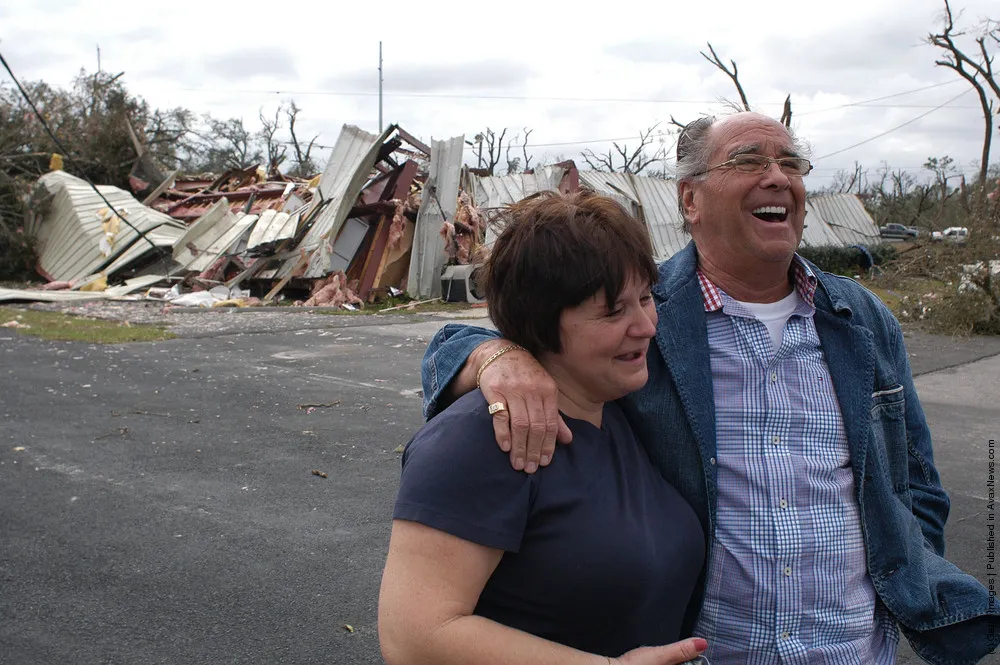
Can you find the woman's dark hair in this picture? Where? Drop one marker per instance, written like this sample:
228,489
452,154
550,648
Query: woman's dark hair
555,251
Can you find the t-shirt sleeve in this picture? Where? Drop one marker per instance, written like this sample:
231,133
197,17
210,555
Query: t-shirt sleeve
456,479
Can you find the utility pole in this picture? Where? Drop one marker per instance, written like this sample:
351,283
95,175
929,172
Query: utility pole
380,87
98,57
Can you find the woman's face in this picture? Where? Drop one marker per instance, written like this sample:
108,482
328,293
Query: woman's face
604,345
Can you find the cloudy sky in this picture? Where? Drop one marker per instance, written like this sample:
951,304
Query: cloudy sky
577,77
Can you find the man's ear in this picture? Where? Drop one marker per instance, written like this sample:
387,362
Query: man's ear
685,193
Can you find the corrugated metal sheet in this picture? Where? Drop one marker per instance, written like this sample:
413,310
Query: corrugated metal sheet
203,232
427,255
816,232
349,168
653,200
215,233
614,185
162,236
833,219
70,233
494,192
29,295
225,243
32,295
266,197
497,191
271,228
658,199
845,214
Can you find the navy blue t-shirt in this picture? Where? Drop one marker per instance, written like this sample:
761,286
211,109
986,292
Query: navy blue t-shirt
600,552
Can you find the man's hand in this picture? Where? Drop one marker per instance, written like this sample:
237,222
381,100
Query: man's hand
677,653
531,424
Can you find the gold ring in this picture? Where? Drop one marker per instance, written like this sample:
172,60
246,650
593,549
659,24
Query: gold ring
497,407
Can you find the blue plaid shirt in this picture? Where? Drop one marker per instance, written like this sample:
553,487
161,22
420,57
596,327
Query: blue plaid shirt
787,578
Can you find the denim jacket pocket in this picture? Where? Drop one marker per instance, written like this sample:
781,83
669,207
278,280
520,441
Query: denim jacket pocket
888,430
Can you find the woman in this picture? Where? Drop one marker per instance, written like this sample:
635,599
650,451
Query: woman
595,556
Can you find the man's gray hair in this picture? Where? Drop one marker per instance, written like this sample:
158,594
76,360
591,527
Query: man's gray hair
694,149
693,153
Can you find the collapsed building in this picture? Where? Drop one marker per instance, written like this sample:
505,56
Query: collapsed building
388,215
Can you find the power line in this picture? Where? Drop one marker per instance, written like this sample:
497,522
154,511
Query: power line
524,98
889,131
867,102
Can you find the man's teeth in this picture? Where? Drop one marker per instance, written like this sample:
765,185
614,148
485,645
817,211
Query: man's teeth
771,210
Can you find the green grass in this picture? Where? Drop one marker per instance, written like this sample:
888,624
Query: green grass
69,328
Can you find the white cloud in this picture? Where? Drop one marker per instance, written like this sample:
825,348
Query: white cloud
569,73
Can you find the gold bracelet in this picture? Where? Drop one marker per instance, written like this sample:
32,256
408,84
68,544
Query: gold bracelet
482,368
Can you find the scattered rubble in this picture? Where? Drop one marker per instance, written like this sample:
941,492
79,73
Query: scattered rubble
388,215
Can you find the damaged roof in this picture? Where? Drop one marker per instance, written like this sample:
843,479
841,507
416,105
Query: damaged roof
69,240
831,219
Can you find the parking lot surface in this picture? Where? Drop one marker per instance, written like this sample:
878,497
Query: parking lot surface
158,502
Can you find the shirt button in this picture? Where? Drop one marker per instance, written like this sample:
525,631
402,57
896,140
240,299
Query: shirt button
775,439
774,377
783,504
788,572
785,635
711,461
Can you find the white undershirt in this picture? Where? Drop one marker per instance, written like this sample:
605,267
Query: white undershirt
774,315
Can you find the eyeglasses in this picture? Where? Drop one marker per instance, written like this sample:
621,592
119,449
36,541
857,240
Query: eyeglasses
758,164
699,660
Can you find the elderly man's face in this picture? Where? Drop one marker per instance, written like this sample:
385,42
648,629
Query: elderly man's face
742,221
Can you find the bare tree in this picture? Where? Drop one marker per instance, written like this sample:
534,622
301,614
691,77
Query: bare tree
977,70
274,148
622,159
304,165
734,75
524,149
844,182
494,148
230,145
944,170
516,164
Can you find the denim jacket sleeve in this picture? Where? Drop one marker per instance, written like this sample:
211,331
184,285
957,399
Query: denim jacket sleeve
444,358
930,501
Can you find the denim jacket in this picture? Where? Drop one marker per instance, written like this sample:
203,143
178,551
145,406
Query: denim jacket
947,616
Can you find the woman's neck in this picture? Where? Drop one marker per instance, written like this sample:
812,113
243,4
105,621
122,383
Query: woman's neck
573,400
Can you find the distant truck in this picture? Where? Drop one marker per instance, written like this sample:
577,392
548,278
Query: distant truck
957,234
898,231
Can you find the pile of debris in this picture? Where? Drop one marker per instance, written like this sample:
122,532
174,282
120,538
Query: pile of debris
389,215
374,223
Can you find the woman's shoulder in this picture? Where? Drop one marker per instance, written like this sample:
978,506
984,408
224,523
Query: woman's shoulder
466,415
461,433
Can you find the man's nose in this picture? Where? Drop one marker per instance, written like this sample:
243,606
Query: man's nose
773,176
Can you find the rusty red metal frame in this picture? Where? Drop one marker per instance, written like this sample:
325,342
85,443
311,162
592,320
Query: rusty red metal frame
397,188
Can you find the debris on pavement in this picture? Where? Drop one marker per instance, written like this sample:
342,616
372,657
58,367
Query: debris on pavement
305,407
389,215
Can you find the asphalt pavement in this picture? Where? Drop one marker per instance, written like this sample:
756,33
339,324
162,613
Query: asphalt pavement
160,503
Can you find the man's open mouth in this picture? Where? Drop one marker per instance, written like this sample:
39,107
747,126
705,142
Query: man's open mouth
771,213
635,355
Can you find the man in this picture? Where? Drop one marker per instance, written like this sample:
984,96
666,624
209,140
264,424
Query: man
781,405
